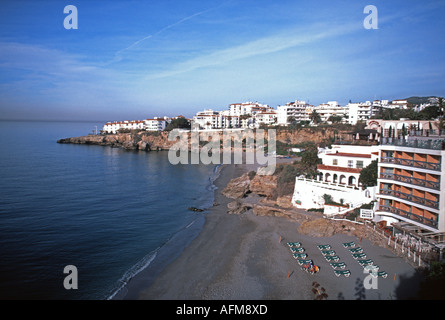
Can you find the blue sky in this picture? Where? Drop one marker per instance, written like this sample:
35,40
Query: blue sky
137,59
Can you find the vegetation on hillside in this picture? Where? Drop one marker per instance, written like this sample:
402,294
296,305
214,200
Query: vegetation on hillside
368,175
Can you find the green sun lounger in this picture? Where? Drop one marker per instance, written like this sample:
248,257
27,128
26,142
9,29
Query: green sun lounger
299,255
381,274
359,256
356,250
328,252
303,261
345,273
349,244
324,247
371,268
365,262
294,244
340,265
332,258
297,250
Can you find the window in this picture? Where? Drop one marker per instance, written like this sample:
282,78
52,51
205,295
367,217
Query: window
359,164
350,163
334,162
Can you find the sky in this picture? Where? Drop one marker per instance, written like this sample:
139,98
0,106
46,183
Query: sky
137,59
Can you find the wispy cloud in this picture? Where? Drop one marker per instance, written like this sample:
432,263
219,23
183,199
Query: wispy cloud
262,46
118,56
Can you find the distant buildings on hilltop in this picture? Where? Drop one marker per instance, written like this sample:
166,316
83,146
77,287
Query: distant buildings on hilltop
254,115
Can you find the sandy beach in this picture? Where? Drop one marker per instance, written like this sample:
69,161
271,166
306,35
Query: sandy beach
243,257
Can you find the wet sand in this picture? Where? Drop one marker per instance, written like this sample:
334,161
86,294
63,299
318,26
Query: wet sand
243,257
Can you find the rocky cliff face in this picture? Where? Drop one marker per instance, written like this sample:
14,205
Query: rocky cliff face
145,141
310,134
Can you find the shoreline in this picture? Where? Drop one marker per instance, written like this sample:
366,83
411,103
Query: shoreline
243,257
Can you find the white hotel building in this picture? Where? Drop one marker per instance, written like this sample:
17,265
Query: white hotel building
411,180
155,124
338,176
296,109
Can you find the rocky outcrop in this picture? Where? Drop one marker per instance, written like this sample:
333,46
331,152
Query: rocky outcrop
145,141
238,187
262,189
264,185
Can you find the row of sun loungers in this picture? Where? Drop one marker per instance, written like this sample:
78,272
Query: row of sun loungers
301,257
334,260
332,257
360,256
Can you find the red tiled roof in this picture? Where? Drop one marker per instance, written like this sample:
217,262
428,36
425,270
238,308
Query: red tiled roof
345,154
342,169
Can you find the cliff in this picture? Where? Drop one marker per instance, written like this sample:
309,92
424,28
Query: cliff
148,141
145,141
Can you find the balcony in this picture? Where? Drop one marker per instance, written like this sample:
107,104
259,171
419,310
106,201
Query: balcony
409,197
408,215
411,180
412,163
432,144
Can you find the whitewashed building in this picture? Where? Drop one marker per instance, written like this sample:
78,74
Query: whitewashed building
266,118
361,111
296,109
338,177
155,124
113,127
331,109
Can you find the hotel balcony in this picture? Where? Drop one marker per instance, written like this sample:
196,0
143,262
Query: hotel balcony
417,142
411,180
408,215
409,197
412,163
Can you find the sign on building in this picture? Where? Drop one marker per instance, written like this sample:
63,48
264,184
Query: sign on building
366,213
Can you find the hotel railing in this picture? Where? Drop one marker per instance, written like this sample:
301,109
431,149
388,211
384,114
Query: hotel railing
409,215
433,144
406,196
411,180
412,163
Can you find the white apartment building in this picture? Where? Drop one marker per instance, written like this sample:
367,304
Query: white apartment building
267,118
210,119
331,108
247,108
399,103
296,109
155,124
361,111
113,127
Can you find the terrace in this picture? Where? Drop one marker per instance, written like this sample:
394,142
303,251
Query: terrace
409,197
411,180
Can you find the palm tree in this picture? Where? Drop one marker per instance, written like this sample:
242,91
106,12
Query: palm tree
315,117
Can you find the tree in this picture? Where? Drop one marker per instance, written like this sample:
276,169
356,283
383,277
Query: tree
315,117
291,120
180,122
368,175
335,119
309,161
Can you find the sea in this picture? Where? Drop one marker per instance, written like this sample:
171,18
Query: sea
78,222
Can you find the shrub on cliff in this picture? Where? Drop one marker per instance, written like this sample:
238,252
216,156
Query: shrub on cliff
180,123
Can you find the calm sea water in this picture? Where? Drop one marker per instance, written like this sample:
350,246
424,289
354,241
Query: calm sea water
105,210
